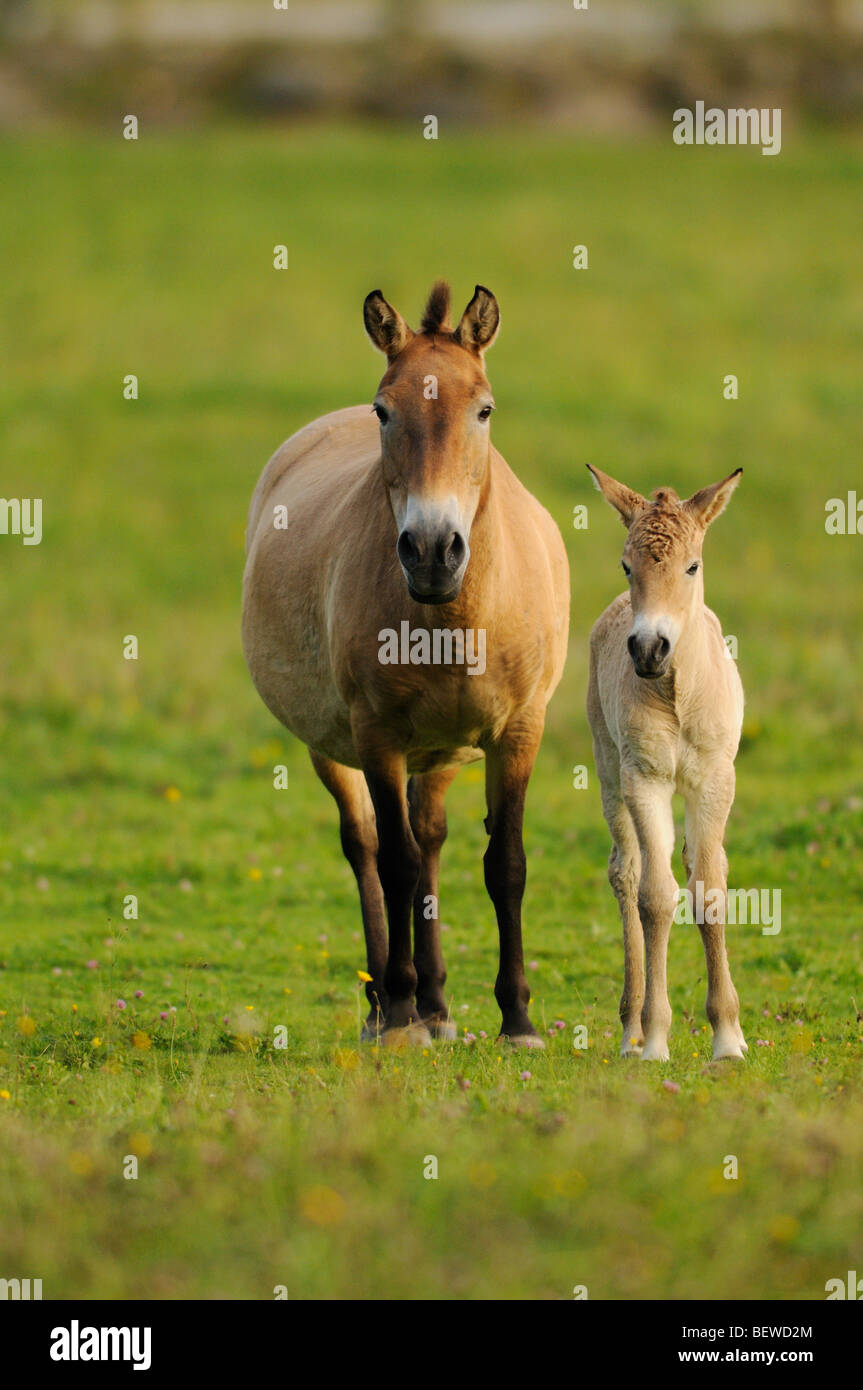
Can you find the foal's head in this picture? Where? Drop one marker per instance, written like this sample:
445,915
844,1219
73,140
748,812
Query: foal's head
434,404
662,561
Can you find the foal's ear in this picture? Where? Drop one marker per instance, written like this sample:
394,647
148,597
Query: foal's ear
706,505
621,497
479,322
385,325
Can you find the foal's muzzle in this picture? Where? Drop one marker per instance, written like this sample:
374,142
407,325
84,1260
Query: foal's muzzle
433,564
650,655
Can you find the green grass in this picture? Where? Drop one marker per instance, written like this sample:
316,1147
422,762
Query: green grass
304,1166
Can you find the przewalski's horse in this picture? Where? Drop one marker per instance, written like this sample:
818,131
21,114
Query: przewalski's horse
404,519
665,705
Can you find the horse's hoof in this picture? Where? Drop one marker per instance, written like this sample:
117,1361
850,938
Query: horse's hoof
654,1052
372,1032
728,1042
523,1040
413,1035
443,1030
631,1049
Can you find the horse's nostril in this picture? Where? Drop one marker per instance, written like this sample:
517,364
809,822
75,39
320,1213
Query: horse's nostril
454,551
663,647
408,550
630,645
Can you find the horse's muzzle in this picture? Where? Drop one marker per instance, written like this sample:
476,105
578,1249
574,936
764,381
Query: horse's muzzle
433,566
650,655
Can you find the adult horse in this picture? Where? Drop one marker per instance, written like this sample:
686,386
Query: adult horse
410,543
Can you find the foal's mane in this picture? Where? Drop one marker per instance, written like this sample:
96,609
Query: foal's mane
436,316
661,525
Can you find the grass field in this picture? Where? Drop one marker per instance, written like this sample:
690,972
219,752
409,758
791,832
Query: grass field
304,1166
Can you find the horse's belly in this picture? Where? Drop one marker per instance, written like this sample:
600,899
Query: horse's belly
310,708
316,715
293,677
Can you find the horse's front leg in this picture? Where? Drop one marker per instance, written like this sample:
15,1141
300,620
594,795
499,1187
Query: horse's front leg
426,794
399,863
708,812
648,801
509,764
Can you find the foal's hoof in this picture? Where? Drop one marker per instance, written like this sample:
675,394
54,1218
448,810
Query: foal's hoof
442,1029
729,1042
523,1040
631,1049
414,1035
372,1032
655,1052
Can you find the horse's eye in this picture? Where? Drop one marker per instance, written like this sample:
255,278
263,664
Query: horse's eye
625,567
485,412
693,568
381,413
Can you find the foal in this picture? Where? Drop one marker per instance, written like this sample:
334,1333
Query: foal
409,539
665,705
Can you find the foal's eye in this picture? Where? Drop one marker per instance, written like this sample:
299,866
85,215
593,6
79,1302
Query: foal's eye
485,412
381,413
693,568
625,567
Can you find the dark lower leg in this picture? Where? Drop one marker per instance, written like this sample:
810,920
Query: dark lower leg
505,874
363,860
428,822
399,863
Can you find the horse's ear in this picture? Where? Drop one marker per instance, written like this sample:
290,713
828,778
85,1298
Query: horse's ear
385,325
706,505
626,502
479,322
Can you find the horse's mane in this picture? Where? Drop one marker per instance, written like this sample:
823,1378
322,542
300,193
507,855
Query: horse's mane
436,316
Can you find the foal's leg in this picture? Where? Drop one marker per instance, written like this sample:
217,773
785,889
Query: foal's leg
708,812
399,864
624,869
360,845
426,794
649,804
509,764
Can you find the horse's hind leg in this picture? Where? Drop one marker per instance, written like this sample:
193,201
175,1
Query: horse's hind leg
360,844
426,794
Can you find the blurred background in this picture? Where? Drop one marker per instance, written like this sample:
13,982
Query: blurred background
304,127
618,65
154,258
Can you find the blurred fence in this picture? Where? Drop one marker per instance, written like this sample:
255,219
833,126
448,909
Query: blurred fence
617,64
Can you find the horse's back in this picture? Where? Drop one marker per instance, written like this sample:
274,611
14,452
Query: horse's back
316,476
319,454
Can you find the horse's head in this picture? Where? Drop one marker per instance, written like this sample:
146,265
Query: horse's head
434,404
662,562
